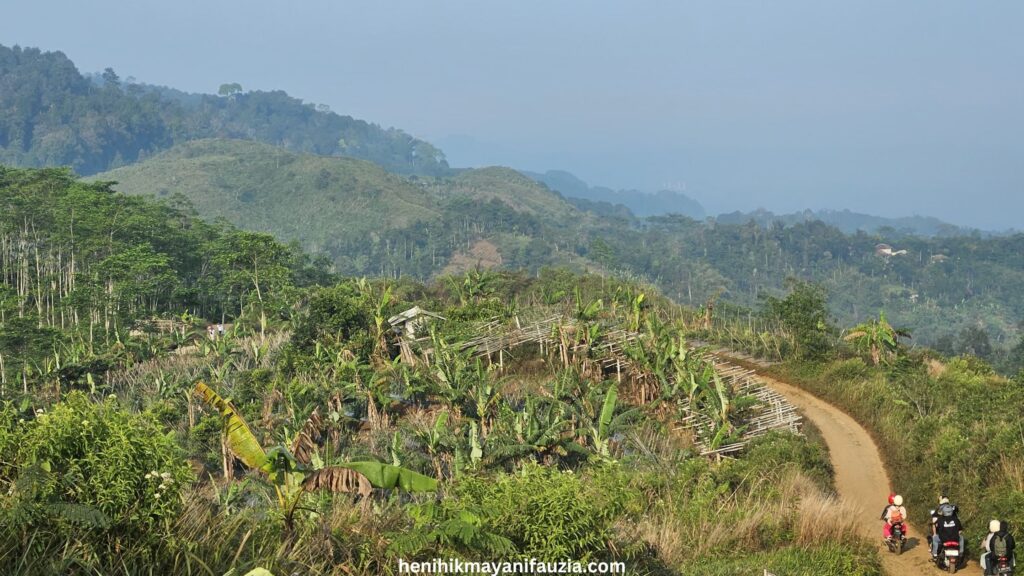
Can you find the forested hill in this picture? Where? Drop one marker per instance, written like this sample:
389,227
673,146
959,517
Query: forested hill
369,221
959,293
51,115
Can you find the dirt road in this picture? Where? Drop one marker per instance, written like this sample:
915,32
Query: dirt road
861,478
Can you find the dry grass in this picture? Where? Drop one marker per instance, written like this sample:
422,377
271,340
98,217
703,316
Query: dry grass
1011,470
650,440
935,367
740,524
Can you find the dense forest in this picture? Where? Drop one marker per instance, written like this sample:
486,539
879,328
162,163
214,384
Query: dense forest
51,115
82,264
956,293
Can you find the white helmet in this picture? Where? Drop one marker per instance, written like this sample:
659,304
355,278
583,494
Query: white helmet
943,500
898,500
994,526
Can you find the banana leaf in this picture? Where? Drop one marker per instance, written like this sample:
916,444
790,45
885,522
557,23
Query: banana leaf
338,479
240,439
387,476
607,412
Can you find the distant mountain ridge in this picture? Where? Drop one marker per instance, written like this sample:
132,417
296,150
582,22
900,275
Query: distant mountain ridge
50,115
851,222
53,115
642,204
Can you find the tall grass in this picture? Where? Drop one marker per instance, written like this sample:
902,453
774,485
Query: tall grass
745,521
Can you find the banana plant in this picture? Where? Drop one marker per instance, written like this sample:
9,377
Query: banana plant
456,371
476,451
636,306
589,310
878,338
379,303
724,408
435,440
542,430
483,398
290,470
607,423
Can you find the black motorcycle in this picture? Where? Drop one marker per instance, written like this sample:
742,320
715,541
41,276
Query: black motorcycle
949,556
1003,566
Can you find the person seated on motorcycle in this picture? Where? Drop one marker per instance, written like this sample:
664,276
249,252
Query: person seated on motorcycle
892,495
998,544
894,513
946,527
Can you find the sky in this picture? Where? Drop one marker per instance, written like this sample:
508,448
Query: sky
889,108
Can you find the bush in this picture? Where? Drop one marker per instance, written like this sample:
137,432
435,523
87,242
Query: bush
546,513
336,315
777,453
804,312
90,474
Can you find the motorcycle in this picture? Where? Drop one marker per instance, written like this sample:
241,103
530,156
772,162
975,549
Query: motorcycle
949,556
897,539
1003,566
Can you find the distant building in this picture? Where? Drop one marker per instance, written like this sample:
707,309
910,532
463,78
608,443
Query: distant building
886,251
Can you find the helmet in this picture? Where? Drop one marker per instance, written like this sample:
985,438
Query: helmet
943,500
994,526
897,500
891,496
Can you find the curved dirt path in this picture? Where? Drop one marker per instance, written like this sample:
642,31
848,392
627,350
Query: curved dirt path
860,476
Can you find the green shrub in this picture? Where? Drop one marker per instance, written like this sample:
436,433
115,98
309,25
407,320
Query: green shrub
777,453
90,473
335,316
546,513
849,370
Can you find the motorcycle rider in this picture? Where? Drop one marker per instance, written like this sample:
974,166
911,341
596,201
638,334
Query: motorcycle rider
894,513
892,495
998,543
946,527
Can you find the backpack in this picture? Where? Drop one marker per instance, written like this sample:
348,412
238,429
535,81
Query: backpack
998,546
895,516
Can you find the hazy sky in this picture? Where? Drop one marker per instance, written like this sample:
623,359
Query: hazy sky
885,107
